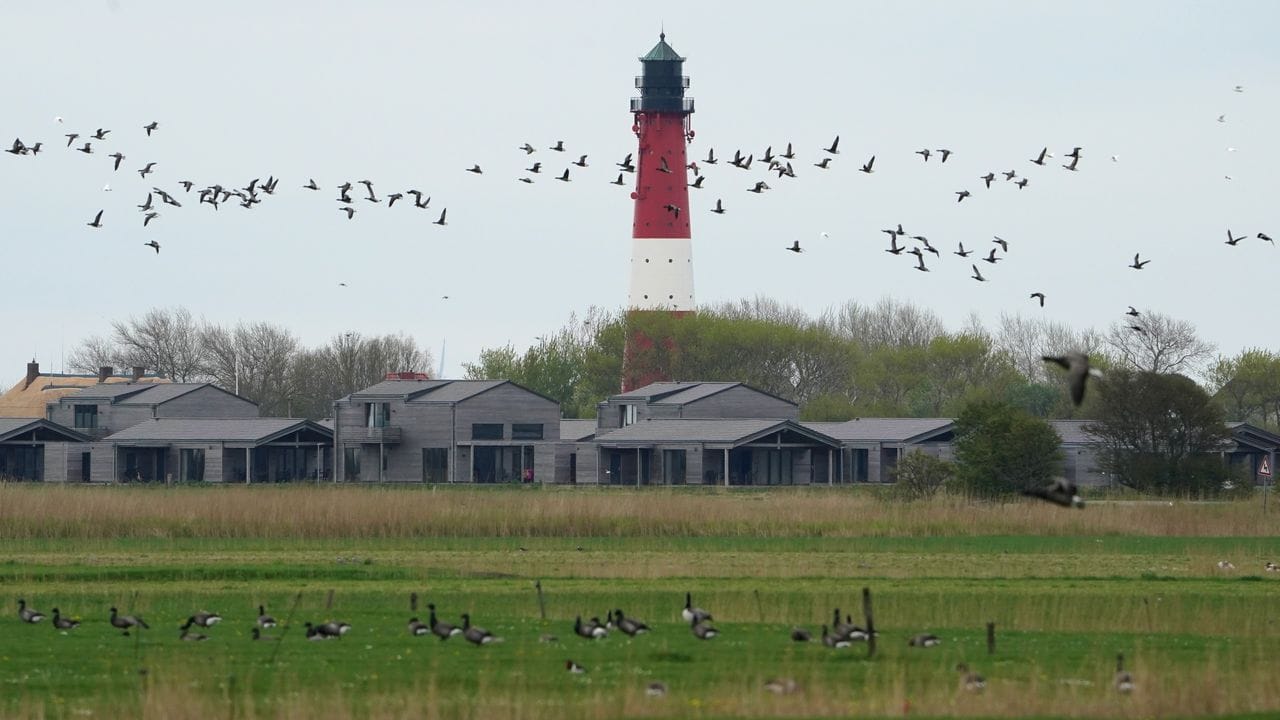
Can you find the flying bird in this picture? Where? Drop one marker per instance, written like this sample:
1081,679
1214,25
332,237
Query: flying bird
789,154
835,146
987,178
825,164
149,217
920,259
1039,160
618,181
1133,311
392,198
97,221
1004,245
581,161
711,157
441,221
475,169
1138,329
697,183
1233,240
1022,183
350,211
925,153
100,134
626,162
894,248
1059,492
962,252
526,180
564,177
1138,265
119,157
1078,372
311,185
662,165
759,187
527,148
146,170
534,168
944,152
795,247
559,146
71,137
1264,236
991,258
961,195
674,209
154,245
977,275
1040,296
1009,174
151,127
719,208
87,149
867,168
1072,166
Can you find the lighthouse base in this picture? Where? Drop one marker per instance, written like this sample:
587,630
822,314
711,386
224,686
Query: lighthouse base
661,274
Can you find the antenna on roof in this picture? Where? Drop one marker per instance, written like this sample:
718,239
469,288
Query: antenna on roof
440,372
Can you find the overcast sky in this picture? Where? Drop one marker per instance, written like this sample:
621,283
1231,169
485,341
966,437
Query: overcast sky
409,94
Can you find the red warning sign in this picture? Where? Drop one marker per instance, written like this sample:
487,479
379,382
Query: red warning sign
1264,467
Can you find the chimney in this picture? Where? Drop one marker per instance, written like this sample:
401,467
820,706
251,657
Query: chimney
105,372
138,372
33,372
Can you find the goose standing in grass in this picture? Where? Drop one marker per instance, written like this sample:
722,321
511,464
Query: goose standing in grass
703,630
591,630
26,614
417,628
265,620
334,629
314,633
1123,680
630,626
692,614
475,634
206,619
442,630
969,680
801,635
834,641
125,622
925,640
189,636
63,623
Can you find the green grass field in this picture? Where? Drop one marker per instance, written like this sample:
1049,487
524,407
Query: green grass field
1200,641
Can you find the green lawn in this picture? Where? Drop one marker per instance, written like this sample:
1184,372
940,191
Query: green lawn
1200,640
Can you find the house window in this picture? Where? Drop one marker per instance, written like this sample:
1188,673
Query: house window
351,463
377,414
673,463
86,417
486,431
191,465
526,431
626,415
435,465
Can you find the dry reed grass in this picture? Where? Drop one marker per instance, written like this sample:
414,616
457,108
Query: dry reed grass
308,512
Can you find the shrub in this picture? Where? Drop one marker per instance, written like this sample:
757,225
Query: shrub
1001,450
919,475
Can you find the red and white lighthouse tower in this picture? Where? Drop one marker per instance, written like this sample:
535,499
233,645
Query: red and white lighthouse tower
661,249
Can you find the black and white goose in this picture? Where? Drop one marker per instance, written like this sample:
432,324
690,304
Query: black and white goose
334,629
442,630
125,622
925,640
475,634
417,628
630,626
315,633
691,614
26,614
1124,680
969,680
591,630
574,667
799,634
265,620
206,619
63,623
834,640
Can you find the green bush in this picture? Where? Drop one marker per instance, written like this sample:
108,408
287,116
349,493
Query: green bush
1002,450
919,475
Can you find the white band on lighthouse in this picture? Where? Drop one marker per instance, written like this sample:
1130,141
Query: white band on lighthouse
661,274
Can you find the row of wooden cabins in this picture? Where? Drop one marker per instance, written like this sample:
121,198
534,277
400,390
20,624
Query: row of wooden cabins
410,428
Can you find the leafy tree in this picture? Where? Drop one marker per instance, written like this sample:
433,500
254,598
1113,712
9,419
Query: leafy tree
1160,433
1002,450
920,475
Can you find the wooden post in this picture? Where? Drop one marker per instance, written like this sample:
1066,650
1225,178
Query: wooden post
871,625
726,467
759,605
542,604
991,638
328,603
413,602
248,465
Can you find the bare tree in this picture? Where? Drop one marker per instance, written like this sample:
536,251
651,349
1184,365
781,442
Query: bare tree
165,340
92,353
255,360
1026,340
1160,344
889,322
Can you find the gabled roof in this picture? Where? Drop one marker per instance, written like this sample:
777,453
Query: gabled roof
714,431
575,429
29,400
141,393
108,392
45,430
252,431
890,430
1243,432
683,393
432,391
662,51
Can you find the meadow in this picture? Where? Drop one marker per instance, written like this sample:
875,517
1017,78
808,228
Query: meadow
1066,589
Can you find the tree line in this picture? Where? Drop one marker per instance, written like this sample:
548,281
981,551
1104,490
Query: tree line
266,363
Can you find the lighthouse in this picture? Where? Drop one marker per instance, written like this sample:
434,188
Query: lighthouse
661,248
